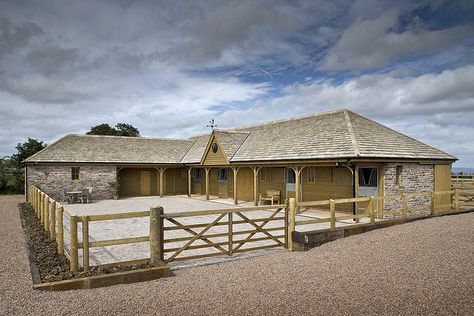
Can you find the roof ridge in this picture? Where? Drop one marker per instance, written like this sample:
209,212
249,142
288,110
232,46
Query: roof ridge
128,137
401,134
288,119
351,133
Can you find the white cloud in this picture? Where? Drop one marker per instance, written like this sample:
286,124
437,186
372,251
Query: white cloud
374,42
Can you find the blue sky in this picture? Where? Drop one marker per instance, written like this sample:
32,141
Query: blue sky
169,67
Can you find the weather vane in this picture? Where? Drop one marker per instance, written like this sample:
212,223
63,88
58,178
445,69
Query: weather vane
211,124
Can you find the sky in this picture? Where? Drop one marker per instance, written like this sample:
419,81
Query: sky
168,67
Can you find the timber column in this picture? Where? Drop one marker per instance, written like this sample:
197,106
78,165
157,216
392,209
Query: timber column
162,171
255,185
297,185
236,171
207,182
189,181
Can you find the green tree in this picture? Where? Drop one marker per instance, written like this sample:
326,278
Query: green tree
102,129
127,130
11,168
121,129
25,150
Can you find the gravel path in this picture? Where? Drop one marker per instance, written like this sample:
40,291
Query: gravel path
424,267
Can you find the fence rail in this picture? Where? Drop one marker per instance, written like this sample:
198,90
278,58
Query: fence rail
172,235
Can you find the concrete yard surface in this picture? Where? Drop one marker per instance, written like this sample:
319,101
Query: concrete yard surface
419,268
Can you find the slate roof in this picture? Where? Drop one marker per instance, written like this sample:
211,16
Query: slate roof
113,149
231,141
330,135
338,134
196,151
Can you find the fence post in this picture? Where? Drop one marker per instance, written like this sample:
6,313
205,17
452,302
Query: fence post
456,199
85,242
332,210
404,205
230,234
40,206
74,244
52,221
60,235
46,213
156,241
372,209
287,211
432,206
292,223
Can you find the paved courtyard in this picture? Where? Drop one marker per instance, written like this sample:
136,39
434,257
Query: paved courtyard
137,227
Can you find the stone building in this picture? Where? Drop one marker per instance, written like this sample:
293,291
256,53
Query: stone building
336,154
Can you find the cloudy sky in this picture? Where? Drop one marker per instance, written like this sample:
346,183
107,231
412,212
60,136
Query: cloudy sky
168,67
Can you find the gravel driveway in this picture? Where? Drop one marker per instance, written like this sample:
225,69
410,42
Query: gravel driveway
424,267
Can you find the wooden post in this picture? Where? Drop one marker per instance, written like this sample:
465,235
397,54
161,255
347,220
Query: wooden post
287,217
404,205
230,234
189,181
40,206
52,221
381,189
74,244
46,213
85,242
297,187
207,183
255,185
162,171
372,209
292,224
60,235
236,171
332,210
432,206
456,199
156,237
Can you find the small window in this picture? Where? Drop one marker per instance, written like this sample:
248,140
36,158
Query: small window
399,170
75,173
263,174
222,174
311,174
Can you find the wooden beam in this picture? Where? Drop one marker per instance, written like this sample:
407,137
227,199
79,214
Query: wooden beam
74,262
85,243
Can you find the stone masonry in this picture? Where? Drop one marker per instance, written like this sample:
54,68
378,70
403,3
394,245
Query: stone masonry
53,178
413,178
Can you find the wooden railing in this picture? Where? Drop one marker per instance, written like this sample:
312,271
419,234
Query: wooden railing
457,200
172,235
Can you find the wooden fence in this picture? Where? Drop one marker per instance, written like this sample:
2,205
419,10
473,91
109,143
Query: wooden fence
173,235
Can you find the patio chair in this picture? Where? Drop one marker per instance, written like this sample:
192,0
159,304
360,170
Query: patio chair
85,196
271,196
64,197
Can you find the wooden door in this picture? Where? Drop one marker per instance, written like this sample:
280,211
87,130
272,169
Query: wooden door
145,182
442,183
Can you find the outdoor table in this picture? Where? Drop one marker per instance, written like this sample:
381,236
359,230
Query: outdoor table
74,195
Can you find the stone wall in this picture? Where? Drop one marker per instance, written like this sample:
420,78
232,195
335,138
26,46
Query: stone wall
413,178
53,178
